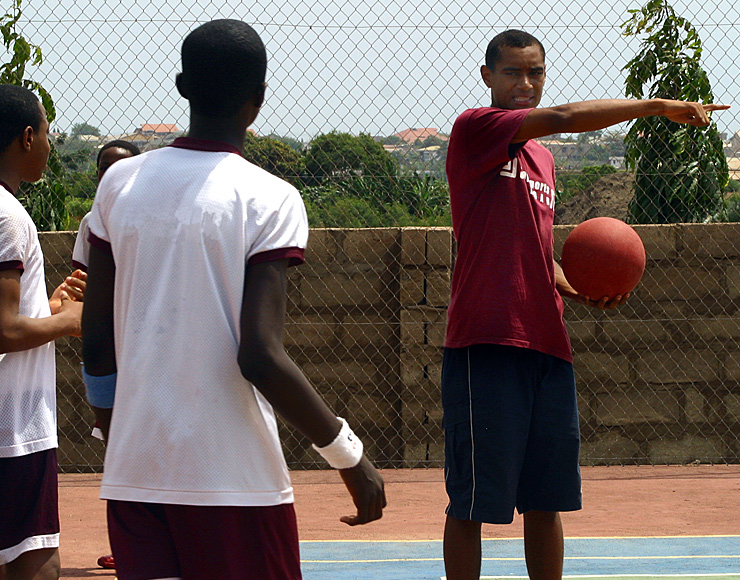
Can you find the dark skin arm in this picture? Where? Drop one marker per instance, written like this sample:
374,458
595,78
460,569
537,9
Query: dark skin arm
264,362
567,291
600,114
98,352
21,332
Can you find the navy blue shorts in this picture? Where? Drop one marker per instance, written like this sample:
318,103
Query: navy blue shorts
511,433
151,540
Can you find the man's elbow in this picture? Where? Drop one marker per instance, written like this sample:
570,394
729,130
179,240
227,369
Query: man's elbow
255,363
10,340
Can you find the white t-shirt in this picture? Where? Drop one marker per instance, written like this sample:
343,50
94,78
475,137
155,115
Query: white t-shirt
182,223
28,421
81,250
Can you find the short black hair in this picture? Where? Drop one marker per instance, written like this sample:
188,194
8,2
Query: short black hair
512,39
19,108
224,64
127,145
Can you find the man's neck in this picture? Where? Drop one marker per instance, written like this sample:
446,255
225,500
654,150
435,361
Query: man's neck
224,130
9,175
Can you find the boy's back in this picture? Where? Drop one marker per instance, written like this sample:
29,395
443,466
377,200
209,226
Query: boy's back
182,223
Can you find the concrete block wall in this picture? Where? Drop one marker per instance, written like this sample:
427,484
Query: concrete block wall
658,379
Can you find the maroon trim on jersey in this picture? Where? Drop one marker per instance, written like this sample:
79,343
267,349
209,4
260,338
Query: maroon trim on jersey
99,243
11,265
296,256
204,145
79,265
6,186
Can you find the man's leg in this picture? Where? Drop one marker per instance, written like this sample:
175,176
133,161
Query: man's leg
42,564
462,551
543,545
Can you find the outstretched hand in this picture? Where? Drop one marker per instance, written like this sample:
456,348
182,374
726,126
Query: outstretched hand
694,114
365,485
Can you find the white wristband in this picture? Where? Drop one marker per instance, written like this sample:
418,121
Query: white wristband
345,451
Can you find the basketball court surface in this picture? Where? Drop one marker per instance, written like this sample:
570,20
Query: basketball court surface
667,523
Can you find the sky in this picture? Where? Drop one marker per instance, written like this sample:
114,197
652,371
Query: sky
370,66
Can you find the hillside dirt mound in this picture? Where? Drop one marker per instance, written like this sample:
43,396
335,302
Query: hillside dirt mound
607,197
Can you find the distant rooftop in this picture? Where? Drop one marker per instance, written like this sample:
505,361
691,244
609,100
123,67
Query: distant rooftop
159,128
415,134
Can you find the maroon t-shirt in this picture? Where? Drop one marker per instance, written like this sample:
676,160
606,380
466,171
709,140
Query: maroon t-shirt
503,199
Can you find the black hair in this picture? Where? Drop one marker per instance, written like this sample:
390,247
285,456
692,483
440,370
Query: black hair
19,108
224,64
128,146
512,39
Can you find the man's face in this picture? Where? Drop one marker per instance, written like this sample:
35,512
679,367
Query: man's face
109,157
518,77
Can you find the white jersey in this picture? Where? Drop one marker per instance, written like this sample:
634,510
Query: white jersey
28,421
182,223
81,250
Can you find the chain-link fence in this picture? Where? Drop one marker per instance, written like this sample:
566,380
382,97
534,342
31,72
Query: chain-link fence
361,100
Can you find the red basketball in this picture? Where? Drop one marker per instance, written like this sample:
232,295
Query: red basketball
603,257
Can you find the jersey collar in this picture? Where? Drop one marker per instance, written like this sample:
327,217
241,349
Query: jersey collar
204,145
6,186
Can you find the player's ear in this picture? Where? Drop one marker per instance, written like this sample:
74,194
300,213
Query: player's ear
178,84
26,138
486,75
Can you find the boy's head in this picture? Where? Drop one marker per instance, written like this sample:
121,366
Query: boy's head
24,131
515,70
224,64
114,151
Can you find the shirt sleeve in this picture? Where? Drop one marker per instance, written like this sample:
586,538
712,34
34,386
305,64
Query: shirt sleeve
97,222
486,134
81,250
14,241
279,233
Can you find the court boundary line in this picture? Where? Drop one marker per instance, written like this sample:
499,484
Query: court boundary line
522,559
521,538
701,575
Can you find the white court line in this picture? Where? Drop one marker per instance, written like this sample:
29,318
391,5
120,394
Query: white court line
521,559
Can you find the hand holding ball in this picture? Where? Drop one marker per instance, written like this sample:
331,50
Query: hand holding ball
603,257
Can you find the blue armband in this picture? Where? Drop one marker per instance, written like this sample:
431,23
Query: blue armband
101,391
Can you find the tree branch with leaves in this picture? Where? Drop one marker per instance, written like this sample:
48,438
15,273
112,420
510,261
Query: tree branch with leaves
680,170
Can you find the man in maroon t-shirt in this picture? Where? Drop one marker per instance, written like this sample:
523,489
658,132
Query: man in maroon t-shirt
508,391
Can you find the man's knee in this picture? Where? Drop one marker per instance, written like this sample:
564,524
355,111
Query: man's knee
43,564
535,516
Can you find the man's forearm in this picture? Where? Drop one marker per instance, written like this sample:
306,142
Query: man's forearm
587,116
23,333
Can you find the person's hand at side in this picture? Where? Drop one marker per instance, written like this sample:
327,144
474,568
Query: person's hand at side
367,490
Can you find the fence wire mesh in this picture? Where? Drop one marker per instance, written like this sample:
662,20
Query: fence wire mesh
361,100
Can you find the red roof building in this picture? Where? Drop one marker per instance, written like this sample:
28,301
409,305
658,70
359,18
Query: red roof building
412,135
158,129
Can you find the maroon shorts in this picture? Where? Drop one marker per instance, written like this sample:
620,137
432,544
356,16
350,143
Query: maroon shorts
29,513
203,542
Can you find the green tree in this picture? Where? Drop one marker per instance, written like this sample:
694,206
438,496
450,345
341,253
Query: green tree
680,170
572,183
275,157
289,141
341,155
43,200
85,129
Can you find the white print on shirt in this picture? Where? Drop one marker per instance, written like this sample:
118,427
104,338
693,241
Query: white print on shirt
539,190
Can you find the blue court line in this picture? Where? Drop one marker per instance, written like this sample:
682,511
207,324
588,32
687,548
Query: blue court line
388,560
